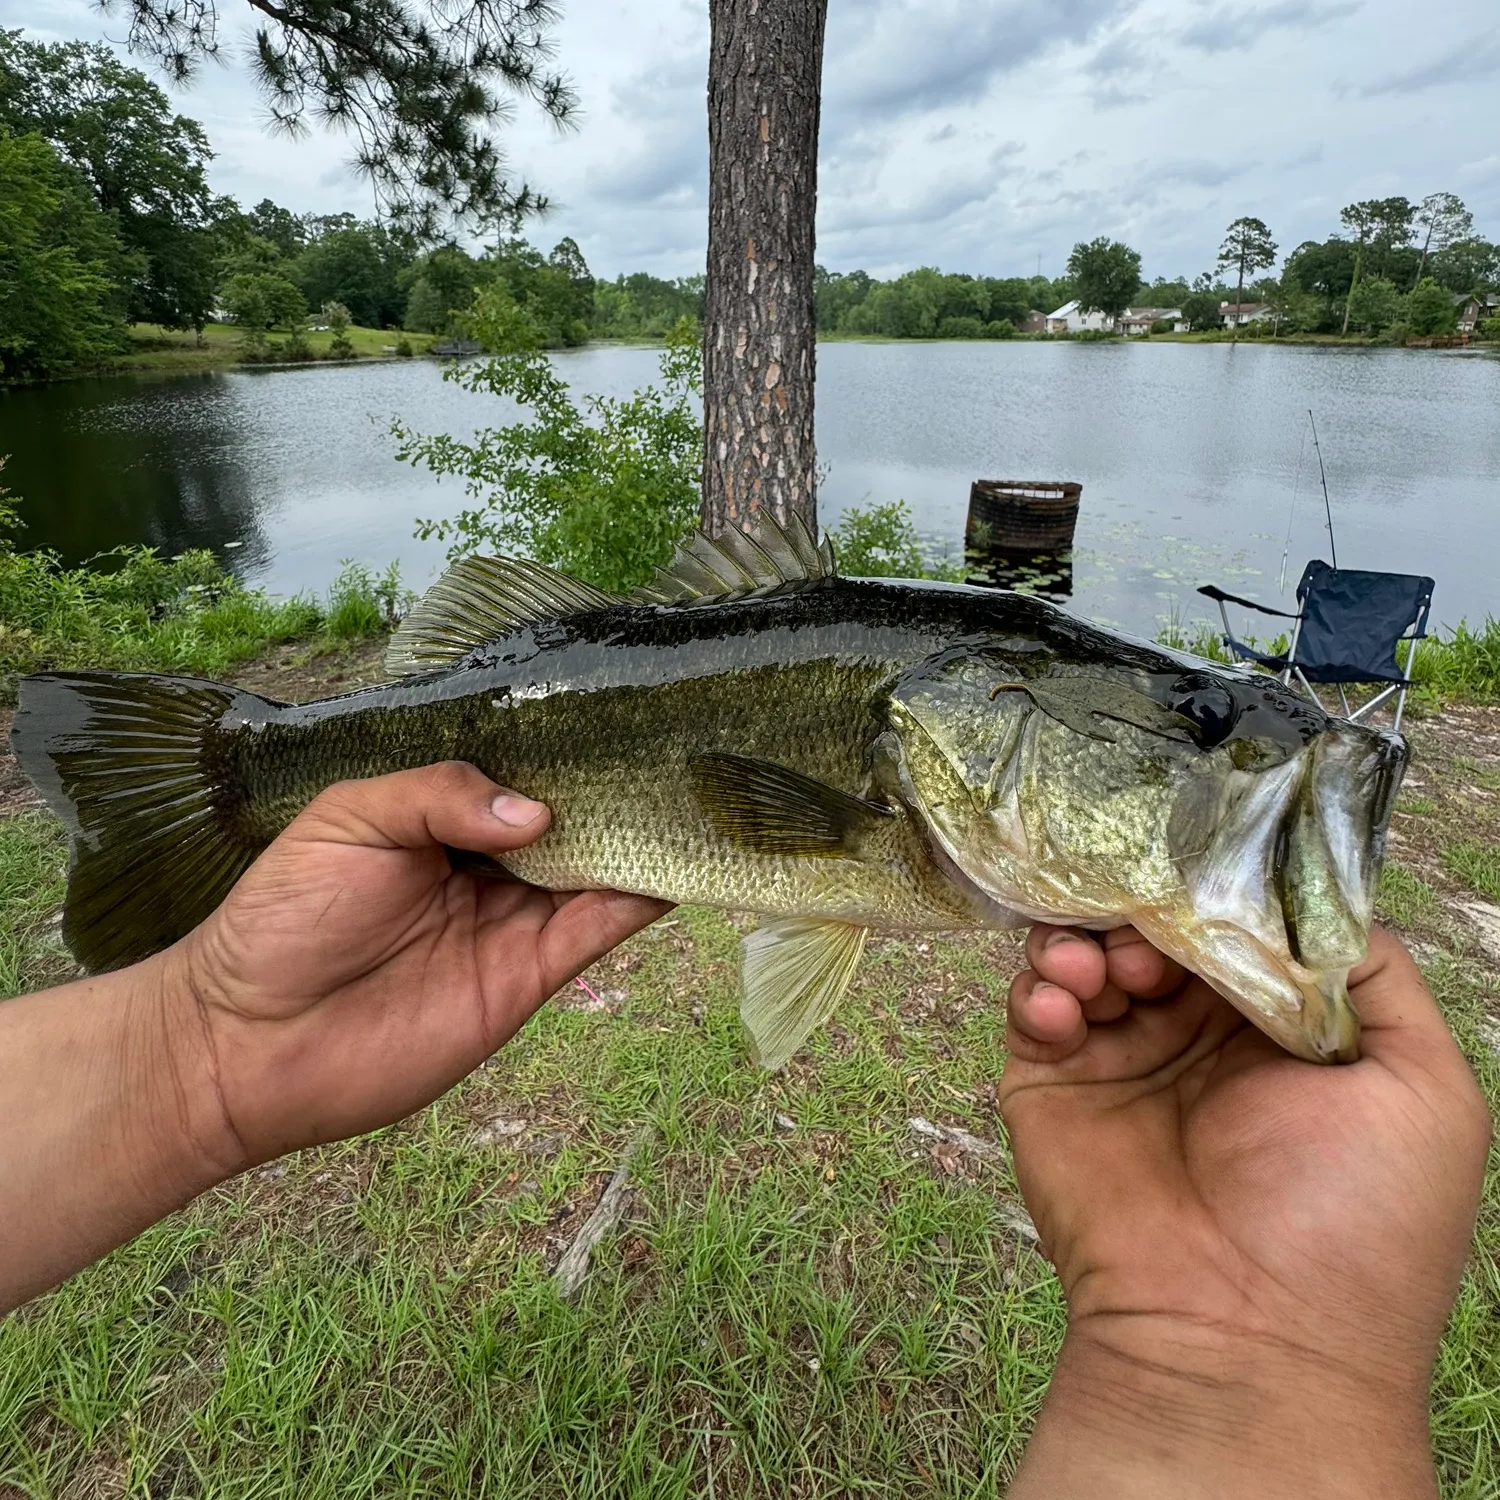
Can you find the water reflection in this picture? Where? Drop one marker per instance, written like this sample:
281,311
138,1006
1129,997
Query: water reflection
1048,575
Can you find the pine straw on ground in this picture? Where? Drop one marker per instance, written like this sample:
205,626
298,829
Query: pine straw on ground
805,1298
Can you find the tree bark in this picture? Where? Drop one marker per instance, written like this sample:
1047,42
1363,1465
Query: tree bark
764,86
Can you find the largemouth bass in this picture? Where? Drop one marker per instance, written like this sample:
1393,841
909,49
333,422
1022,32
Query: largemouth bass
755,732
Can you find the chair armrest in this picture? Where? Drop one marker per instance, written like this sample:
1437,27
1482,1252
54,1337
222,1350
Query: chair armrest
1212,591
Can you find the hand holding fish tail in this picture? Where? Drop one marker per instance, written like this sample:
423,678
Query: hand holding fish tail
353,974
1259,1254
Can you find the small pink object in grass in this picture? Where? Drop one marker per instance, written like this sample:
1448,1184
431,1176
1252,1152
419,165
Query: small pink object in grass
589,990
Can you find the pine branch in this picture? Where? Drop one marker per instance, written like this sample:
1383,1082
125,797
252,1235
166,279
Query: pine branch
422,86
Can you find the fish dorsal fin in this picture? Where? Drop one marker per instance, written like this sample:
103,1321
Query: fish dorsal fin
480,600
769,809
795,972
765,558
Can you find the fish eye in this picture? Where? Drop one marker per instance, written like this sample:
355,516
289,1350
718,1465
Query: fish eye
1209,705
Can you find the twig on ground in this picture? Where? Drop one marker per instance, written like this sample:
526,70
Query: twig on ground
973,1144
573,1268
1015,1218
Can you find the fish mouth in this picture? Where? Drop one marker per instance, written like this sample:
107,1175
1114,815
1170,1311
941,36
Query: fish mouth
1293,873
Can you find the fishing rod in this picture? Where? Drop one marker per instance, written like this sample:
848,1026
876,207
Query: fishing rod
1291,515
1327,507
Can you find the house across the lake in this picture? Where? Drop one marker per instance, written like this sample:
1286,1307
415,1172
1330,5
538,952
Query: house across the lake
1069,319
1137,321
1237,314
1033,322
1473,310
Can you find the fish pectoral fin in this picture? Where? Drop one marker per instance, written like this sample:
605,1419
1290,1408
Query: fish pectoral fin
795,973
479,600
769,809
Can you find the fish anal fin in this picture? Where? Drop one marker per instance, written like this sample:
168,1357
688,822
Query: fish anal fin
479,600
795,972
770,809
763,558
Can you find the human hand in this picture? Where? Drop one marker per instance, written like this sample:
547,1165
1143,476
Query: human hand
353,974
1235,1228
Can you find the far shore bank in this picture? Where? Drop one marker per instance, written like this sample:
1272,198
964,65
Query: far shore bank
159,351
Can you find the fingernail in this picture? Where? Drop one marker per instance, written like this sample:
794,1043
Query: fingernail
1061,936
518,812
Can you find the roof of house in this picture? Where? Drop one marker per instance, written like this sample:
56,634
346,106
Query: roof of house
1152,314
1064,310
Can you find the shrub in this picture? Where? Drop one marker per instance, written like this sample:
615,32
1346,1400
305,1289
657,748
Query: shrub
1430,309
1001,328
1488,328
880,541
363,603
600,487
403,348
961,328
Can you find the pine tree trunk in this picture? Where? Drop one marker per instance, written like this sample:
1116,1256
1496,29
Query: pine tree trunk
764,79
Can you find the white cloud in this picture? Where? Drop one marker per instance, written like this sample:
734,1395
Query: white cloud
983,135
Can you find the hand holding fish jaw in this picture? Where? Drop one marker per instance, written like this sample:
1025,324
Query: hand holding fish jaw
354,974
1259,1254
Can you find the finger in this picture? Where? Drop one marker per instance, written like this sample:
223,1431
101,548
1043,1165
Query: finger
1067,957
1137,967
1045,1022
585,927
449,803
1397,1013
1108,1005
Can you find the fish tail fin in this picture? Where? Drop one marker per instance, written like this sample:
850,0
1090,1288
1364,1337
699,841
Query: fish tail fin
134,767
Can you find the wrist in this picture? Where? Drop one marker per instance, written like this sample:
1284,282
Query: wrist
192,1133
1181,1409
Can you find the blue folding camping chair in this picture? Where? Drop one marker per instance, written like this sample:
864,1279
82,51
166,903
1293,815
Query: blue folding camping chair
1348,626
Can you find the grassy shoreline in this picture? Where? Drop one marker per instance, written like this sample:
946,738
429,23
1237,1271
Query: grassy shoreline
161,351
168,351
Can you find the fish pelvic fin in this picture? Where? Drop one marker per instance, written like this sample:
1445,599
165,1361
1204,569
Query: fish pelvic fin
126,763
795,972
768,809
479,600
764,558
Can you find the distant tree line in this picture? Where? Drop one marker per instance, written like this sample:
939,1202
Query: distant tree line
1396,269
107,220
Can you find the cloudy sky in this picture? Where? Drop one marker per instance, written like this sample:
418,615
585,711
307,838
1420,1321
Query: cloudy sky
977,135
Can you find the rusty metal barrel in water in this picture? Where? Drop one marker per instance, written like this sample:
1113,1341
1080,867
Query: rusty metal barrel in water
1021,515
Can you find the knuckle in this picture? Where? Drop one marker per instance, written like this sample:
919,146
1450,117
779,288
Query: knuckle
447,778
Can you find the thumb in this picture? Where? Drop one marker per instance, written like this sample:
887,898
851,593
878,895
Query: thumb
451,803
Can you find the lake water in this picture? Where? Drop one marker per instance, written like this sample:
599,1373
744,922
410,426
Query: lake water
1194,460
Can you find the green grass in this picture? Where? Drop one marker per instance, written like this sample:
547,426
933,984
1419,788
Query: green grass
1478,865
815,1312
166,350
1405,898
